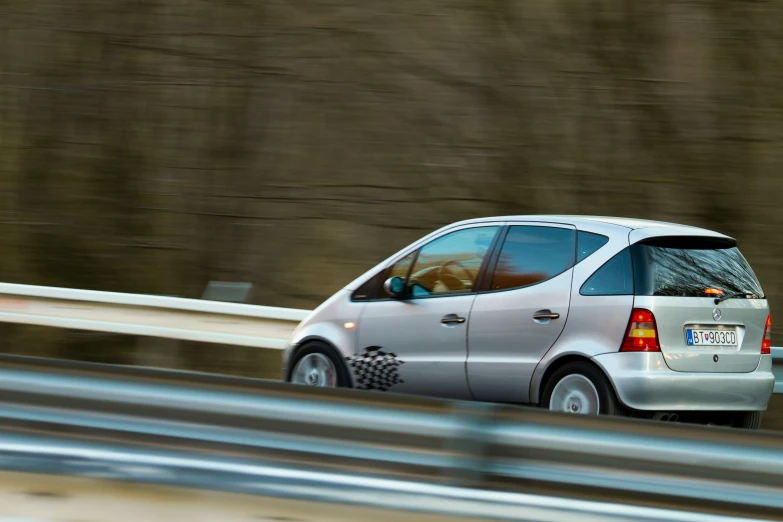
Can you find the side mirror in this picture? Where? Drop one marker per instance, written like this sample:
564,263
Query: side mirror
395,287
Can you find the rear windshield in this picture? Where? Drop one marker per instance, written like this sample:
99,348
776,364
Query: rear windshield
692,267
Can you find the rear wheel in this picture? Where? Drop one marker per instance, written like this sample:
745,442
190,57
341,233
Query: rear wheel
316,365
582,388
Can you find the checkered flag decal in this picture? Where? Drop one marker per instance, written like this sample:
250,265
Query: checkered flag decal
375,369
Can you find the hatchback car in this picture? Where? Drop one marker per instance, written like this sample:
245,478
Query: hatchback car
589,315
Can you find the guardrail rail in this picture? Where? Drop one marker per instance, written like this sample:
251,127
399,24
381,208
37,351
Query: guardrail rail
150,315
222,432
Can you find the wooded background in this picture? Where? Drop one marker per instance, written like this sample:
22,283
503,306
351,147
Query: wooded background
151,146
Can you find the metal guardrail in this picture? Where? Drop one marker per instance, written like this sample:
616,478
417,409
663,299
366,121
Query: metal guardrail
278,493
363,447
777,367
157,316
171,317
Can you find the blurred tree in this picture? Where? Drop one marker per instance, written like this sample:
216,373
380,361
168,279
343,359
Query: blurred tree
153,145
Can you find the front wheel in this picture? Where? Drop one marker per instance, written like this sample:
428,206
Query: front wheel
580,388
316,366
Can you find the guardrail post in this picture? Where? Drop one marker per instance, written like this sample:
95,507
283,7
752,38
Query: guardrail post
167,353
227,292
469,444
777,368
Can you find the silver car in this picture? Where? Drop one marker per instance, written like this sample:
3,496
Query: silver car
589,315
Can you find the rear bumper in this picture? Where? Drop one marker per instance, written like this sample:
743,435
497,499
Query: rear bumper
643,381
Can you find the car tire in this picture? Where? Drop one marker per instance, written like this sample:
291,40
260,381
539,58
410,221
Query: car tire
749,420
325,350
575,374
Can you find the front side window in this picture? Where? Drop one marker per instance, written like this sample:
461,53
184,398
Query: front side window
373,289
451,263
399,269
533,254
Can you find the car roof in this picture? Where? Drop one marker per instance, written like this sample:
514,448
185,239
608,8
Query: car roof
634,229
653,228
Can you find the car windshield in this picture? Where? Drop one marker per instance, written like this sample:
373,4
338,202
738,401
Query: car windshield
692,267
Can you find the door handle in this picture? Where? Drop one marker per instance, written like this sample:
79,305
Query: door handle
545,314
452,318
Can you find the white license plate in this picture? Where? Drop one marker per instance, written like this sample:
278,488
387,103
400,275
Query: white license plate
711,337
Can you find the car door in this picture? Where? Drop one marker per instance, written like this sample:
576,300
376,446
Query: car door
418,344
522,311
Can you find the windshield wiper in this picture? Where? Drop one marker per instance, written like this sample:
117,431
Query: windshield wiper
722,298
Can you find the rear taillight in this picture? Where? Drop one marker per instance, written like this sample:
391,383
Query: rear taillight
766,344
642,334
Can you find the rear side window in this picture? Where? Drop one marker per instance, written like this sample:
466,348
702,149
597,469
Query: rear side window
588,243
692,267
533,254
615,277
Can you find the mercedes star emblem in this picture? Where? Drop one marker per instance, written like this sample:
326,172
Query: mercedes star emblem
716,314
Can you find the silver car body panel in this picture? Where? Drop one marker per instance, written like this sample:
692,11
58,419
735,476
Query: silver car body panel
673,314
644,381
494,356
432,354
596,324
506,343
327,323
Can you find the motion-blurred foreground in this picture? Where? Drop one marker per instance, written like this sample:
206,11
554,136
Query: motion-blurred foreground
153,146
322,455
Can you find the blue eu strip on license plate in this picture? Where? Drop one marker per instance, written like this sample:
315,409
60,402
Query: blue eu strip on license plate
690,337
